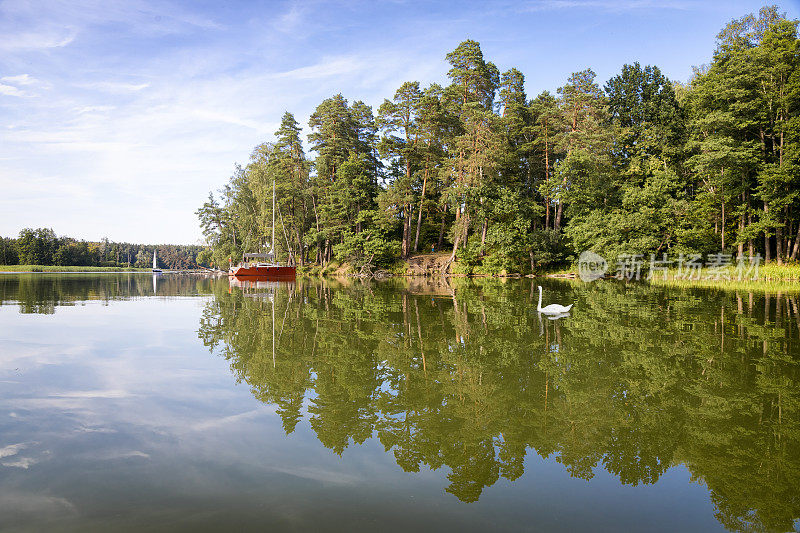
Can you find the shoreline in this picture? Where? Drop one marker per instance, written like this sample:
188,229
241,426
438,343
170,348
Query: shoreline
771,277
50,269
775,278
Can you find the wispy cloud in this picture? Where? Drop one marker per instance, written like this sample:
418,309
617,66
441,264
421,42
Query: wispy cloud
324,69
225,118
93,109
115,86
216,423
290,20
9,90
36,40
77,16
22,79
12,449
606,5
117,393
34,504
22,462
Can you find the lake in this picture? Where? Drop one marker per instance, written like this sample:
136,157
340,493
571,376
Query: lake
166,403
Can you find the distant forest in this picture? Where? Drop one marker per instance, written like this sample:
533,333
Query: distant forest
640,165
42,247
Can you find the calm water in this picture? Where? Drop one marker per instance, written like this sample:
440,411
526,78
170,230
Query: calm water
184,403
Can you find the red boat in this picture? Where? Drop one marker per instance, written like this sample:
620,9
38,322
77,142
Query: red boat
251,267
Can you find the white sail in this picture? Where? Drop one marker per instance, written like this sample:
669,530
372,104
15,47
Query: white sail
154,261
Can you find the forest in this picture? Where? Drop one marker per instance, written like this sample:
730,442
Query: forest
42,246
503,181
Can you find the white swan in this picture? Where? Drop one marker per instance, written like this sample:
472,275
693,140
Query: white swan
552,309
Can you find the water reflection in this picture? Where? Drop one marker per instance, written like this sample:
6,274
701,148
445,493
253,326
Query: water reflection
43,293
462,377
466,375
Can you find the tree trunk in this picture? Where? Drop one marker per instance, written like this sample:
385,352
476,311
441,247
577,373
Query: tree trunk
723,223
741,231
559,211
441,229
459,233
786,231
796,244
404,244
483,236
300,246
546,213
421,203
455,247
767,250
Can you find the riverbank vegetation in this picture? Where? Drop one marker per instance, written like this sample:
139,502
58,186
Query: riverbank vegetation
68,268
41,250
506,181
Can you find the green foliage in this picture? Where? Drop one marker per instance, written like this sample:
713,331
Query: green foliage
640,165
548,249
36,247
369,248
42,247
9,254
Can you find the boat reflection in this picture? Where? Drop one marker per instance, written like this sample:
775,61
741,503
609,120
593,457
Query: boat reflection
253,285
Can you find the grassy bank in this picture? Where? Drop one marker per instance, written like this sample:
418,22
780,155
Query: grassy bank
770,278
59,268
732,285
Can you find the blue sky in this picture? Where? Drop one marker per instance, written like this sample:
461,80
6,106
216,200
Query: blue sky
118,118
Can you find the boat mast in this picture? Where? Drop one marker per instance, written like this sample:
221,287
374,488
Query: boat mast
274,255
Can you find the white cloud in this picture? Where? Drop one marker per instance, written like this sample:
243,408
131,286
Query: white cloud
113,393
115,86
22,462
12,449
94,109
9,90
22,79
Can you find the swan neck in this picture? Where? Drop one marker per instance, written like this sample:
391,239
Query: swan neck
539,305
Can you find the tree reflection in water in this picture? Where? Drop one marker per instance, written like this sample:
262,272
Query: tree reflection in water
464,374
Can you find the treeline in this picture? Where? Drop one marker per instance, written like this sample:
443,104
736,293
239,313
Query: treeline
43,247
641,165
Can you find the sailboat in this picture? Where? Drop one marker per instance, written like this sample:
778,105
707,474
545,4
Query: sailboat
263,265
155,265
